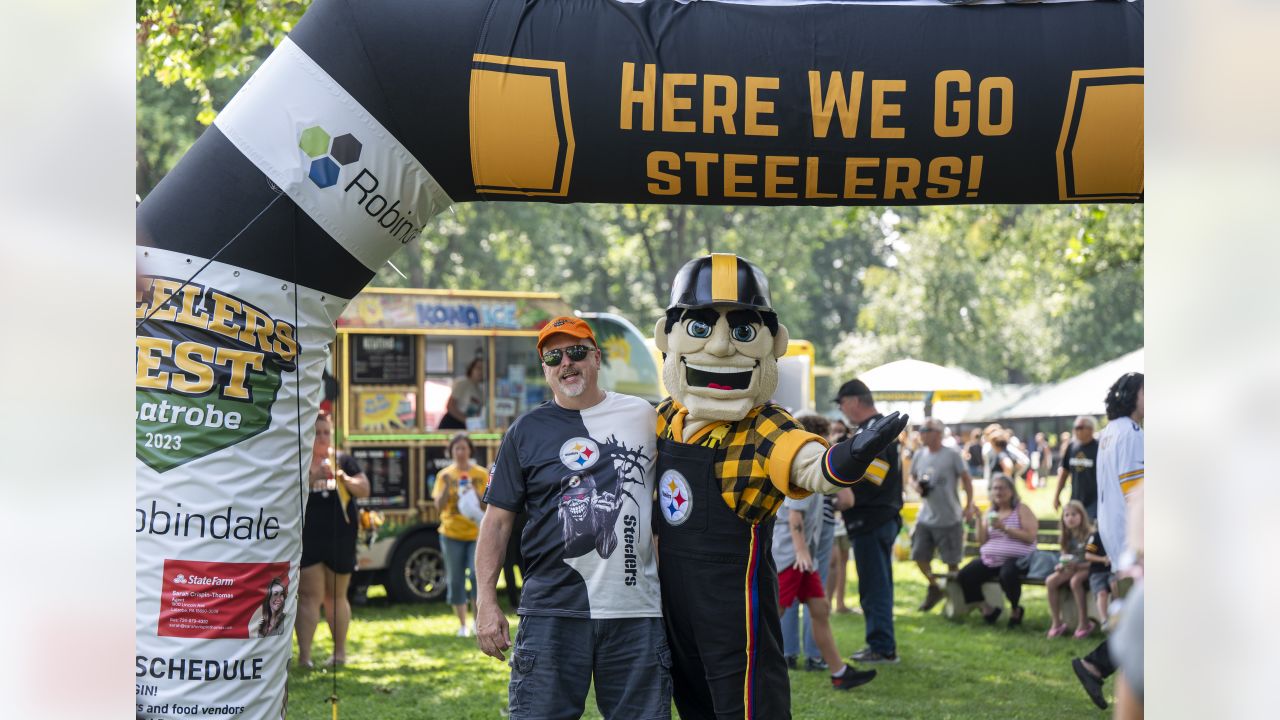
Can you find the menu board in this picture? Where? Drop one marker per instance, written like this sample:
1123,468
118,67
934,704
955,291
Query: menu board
383,359
388,471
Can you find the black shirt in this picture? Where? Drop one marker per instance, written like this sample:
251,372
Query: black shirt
1081,461
874,505
586,480
1095,547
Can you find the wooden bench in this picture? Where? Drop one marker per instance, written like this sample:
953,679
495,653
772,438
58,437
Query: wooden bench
1046,539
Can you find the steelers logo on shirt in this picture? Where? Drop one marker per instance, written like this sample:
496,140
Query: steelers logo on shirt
674,497
579,453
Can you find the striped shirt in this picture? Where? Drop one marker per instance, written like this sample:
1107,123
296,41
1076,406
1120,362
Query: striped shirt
999,547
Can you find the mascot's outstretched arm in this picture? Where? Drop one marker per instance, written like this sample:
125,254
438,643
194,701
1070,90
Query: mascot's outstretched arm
826,470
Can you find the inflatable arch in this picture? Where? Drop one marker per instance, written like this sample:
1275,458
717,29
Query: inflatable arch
374,116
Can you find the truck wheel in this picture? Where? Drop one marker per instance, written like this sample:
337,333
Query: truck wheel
416,573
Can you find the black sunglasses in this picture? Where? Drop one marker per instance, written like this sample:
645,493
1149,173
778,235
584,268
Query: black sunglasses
576,353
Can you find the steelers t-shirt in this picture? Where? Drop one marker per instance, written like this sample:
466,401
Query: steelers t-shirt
1081,459
586,480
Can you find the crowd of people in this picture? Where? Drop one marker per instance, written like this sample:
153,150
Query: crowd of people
600,611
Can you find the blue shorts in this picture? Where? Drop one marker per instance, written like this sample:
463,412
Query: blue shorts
1100,581
555,660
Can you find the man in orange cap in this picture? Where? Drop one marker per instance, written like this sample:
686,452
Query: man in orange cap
581,466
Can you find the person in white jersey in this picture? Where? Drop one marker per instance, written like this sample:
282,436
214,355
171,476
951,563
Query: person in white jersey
1121,471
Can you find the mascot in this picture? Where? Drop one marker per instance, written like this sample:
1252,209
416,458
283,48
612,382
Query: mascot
727,457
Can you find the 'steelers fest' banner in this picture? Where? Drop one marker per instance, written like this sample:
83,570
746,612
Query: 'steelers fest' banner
374,116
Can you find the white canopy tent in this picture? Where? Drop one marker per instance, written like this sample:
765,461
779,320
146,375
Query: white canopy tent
893,383
1083,394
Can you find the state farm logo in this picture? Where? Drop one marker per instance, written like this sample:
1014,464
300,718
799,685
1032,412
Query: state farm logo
182,579
328,157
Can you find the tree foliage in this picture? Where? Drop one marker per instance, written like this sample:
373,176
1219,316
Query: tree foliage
1012,293
194,42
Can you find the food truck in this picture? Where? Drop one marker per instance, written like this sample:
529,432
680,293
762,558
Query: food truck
395,359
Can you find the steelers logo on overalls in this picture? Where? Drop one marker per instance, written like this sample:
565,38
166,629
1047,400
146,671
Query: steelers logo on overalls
674,497
579,453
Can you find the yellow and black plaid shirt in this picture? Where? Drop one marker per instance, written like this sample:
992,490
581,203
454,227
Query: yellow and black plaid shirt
753,455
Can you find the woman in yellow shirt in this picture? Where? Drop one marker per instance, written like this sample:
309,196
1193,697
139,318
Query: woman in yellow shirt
458,532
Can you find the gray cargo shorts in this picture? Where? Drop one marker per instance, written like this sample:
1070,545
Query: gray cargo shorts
948,540
555,660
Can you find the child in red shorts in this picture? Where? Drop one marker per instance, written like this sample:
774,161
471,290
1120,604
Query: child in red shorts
794,544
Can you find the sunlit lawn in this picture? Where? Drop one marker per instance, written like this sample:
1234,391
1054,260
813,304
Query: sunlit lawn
406,663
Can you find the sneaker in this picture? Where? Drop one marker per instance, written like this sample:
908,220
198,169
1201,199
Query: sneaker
464,632
867,656
852,678
1092,683
815,664
1015,616
791,661
932,597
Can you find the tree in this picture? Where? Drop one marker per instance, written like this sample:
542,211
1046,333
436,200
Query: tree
195,42
1012,293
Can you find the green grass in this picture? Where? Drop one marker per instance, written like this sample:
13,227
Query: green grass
406,663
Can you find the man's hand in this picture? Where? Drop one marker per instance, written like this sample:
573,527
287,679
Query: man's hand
1057,503
970,512
493,635
846,462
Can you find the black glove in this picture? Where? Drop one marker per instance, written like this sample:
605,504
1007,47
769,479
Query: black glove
846,462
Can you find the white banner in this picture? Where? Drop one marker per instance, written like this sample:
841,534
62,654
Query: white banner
334,159
228,386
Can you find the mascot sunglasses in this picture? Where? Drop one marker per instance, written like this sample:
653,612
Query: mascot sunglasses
576,353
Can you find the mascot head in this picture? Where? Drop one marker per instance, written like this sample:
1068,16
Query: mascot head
721,338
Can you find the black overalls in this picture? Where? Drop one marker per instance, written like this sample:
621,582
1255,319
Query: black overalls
719,597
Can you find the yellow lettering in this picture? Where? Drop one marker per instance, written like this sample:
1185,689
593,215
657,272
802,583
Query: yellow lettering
183,357
700,162
755,107
731,177
148,373
772,181
712,110
822,107
811,181
894,182
644,97
257,329
881,110
985,90
949,187
672,102
225,310
285,346
942,105
851,180
161,291
240,361
190,314
656,160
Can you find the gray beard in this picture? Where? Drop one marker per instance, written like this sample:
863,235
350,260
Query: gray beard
572,392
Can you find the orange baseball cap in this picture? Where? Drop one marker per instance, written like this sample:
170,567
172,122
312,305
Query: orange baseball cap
565,325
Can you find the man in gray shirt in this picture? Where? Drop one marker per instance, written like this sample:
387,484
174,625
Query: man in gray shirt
937,472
